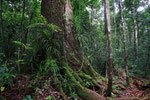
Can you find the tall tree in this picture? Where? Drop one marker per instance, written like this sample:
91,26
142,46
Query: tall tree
124,39
107,31
69,48
114,19
67,37
135,28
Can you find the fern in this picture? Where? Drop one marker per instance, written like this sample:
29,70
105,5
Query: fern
26,46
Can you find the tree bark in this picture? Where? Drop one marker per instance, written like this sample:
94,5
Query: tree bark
69,47
53,11
135,30
107,31
115,28
124,40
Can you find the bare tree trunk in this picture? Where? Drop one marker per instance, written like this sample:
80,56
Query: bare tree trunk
1,24
135,30
107,31
115,22
124,40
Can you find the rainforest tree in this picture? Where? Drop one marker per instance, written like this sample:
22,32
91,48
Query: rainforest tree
74,49
60,13
108,32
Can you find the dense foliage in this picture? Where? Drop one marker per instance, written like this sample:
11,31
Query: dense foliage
27,40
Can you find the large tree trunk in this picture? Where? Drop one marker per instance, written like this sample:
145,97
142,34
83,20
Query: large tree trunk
53,11
124,40
107,31
59,12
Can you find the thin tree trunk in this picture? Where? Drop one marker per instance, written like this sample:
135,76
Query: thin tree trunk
107,31
29,20
115,22
135,30
21,35
1,23
124,40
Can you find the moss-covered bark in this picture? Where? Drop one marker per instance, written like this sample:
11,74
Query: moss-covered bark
83,91
76,66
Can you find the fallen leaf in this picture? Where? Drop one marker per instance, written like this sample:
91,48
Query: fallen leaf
2,89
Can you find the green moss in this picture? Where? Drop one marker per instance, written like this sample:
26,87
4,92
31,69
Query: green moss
61,89
85,76
90,71
80,80
69,72
103,79
130,80
82,92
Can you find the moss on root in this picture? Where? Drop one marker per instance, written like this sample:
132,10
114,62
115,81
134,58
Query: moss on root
81,90
88,94
87,69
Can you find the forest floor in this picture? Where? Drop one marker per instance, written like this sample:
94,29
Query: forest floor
23,88
138,89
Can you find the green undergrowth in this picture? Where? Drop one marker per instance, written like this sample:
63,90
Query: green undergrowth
66,81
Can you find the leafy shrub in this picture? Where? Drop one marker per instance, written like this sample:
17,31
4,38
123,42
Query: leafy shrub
5,72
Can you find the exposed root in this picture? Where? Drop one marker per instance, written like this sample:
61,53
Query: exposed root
61,89
88,94
82,91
